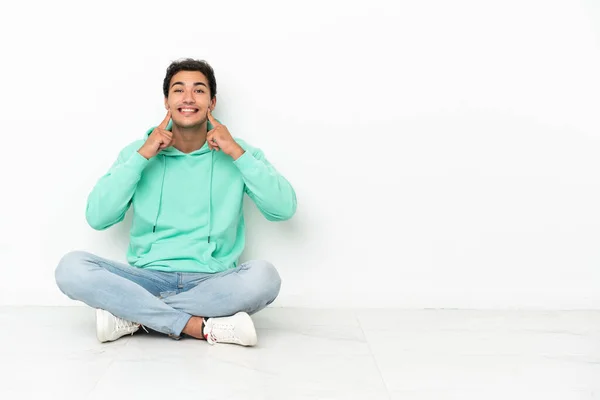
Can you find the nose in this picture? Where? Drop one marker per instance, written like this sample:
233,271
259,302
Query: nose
187,97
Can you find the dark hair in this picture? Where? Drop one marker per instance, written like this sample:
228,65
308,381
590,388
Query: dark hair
189,64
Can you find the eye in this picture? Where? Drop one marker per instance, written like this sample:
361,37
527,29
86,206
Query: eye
199,91
178,90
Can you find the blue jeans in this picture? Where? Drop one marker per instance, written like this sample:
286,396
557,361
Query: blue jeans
165,301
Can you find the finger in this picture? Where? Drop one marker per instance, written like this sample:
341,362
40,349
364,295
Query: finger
212,119
213,145
213,140
168,139
165,122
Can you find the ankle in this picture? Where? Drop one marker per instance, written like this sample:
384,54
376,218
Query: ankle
194,327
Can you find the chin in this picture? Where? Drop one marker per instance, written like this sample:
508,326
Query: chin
187,124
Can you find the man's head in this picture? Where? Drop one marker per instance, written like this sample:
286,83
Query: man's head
190,90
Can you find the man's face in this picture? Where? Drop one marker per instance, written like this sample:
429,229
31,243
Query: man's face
189,99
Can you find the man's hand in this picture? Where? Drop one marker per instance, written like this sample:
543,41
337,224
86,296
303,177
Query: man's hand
159,139
219,138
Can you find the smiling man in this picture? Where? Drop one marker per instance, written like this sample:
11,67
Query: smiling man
186,182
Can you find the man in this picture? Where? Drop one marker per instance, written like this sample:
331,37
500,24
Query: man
186,181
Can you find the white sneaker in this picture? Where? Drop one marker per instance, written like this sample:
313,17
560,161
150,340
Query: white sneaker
109,327
237,329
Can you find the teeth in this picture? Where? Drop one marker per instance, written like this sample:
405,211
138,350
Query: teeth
188,110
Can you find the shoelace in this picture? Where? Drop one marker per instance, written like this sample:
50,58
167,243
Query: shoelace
222,331
122,324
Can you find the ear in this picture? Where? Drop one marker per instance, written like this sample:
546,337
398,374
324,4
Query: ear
213,103
166,104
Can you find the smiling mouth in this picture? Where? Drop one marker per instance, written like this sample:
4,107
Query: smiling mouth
184,110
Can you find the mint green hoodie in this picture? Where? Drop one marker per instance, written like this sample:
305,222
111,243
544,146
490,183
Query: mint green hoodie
187,208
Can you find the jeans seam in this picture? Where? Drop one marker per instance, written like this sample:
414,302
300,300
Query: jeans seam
131,271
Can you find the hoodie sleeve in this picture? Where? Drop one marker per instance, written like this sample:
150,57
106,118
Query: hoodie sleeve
271,192
111,197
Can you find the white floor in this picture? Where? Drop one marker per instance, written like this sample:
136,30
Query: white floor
52,353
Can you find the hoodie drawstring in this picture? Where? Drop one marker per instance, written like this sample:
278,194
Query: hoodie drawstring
162,184
212,161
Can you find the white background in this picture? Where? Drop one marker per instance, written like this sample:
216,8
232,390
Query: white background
444,153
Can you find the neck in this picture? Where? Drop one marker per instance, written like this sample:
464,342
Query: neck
189,139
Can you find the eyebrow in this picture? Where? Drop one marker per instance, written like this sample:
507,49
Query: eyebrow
195,84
